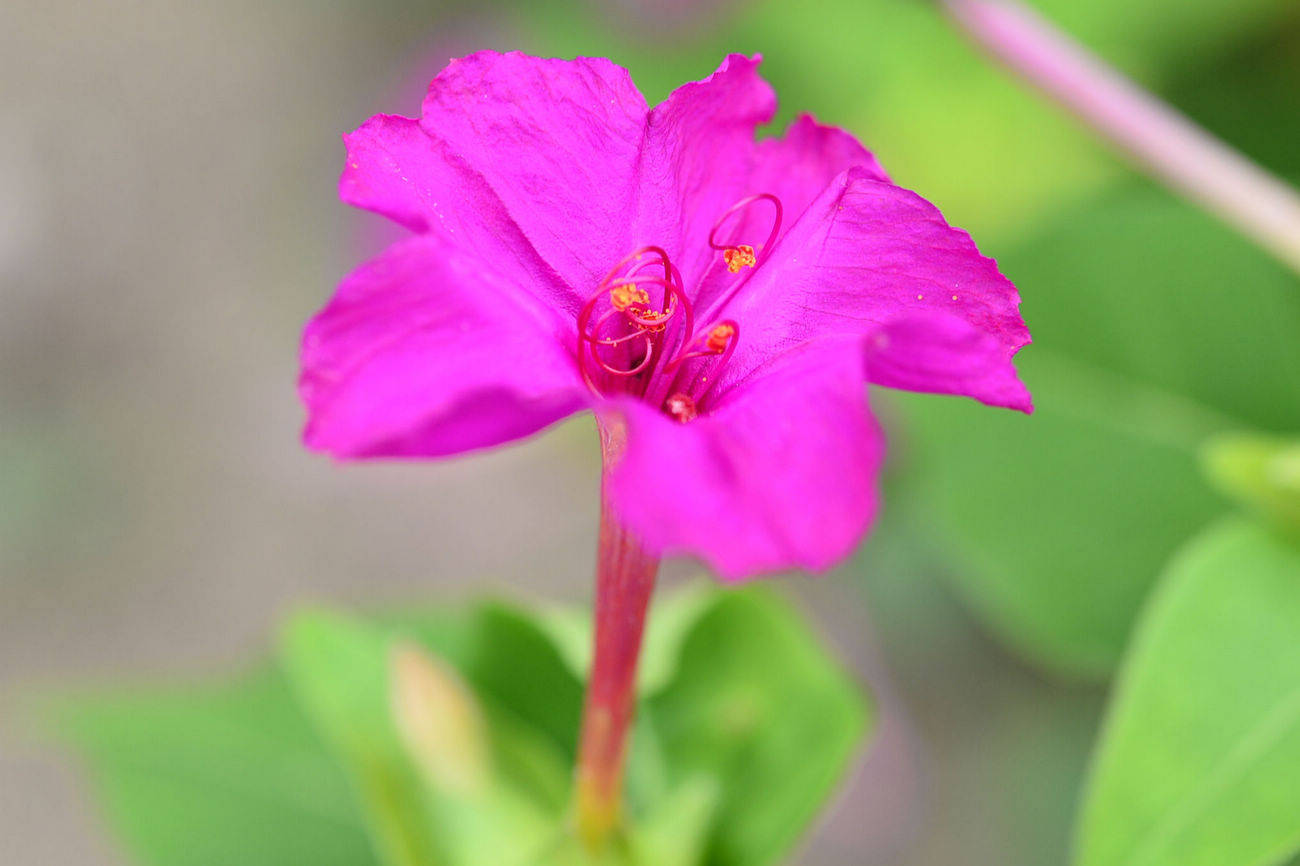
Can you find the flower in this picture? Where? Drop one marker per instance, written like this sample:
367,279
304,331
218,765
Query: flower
720,300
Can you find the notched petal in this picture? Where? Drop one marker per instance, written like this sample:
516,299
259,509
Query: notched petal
867,254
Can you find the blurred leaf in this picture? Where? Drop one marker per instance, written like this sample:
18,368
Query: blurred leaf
343,670
1200,756
340,671
677,830
1245,92
1154,329
759,705
1260,471
217,775
530,698
750,728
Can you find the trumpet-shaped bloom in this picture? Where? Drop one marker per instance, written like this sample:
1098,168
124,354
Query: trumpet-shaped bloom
722,299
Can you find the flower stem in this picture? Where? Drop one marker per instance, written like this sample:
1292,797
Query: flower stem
625,579
1161,140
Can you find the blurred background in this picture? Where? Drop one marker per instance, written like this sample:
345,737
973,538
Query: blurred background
168,221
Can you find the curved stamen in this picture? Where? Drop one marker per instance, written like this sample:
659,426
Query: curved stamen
641,366
636,255
610,341
718,340
720,302
732,339
743,255
627,298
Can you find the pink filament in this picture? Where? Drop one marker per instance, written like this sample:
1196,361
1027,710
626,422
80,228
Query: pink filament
761,253
650,329
741,205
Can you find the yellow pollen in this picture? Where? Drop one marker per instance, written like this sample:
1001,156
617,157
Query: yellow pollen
681,407
625,296
739,257
651,320
719,336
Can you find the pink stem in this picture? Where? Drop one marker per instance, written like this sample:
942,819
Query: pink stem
625,579
1163,141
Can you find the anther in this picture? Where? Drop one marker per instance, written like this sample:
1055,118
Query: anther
681,407
627,295
649,320
738,257
719,337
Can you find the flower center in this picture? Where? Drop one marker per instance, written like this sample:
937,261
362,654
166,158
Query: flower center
636,333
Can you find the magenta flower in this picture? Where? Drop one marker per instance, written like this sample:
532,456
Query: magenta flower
720,301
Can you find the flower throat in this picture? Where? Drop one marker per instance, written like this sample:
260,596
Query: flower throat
629,344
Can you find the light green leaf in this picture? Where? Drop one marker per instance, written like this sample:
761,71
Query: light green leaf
1058,522
677,830
340,671
1200,756
215,775
733,753
758,704
1260,471
449,814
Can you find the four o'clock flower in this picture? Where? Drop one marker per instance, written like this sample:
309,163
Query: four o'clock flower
719,302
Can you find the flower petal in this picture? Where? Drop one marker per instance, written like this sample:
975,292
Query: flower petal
942,354
867,254
699,145
422,352
796,168
396,169
780,474
557,141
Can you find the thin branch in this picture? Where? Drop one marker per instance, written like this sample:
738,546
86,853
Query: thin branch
1159,139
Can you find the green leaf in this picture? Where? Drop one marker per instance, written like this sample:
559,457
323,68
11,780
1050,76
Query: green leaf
215,775
340,670
1056,523
1200,756
748,728
759,705
677,830
1260,471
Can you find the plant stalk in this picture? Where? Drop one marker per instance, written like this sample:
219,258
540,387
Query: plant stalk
1162,141
625,579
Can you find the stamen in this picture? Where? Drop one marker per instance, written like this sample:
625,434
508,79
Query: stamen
718,340
625,295
719,336
736,255
631,316
739,257
681,407
650,320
